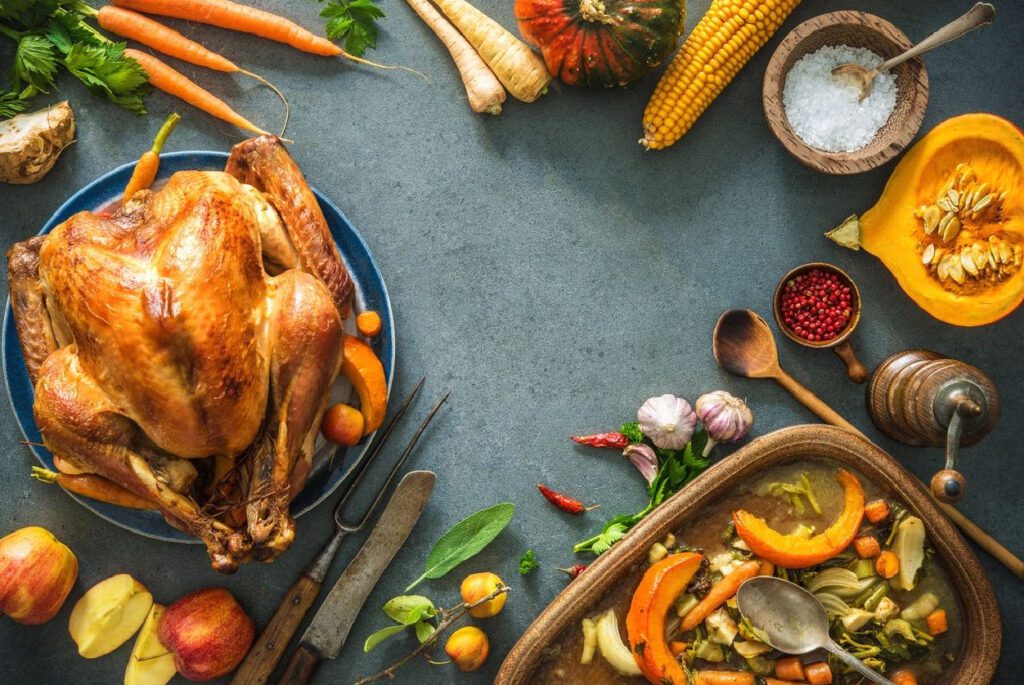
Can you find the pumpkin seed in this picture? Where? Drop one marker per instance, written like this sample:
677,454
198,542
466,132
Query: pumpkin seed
980,253
928,255
1018,253
1005,252
931,219
942,270
945,205
956,270
992,261
968,199
981,204
1002,196
954,197
940,252
967,261
982,190
951,229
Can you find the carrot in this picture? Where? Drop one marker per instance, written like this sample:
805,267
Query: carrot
887,564
94,487
245,19
149,163
937,622
818,673
485,92
876,511
368,323
676,647
789,668
734,678
518,67
767,569
177,84
153,34
867,547
904,678
719,594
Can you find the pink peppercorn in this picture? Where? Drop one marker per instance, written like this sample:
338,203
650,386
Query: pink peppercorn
816,305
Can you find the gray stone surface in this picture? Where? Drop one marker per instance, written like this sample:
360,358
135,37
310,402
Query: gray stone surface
553,275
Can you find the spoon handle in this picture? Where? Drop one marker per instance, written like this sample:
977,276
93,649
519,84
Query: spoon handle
813,402
980,15
856,664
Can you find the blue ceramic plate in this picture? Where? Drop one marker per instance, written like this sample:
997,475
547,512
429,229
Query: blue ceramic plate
371,293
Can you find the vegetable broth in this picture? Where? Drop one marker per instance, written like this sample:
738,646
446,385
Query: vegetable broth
561,662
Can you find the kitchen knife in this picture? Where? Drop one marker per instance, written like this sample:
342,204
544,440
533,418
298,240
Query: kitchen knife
326,634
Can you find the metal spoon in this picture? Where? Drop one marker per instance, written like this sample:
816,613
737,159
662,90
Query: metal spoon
792,620
862,78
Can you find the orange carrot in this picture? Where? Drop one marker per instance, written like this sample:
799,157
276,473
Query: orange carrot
789,668
153,34
904,678
734,678
876,511
887,564
94,487
676,647
368,323
818,673
719,594
937,622
483,89
867,547
767,569
238,17
177,84
149,163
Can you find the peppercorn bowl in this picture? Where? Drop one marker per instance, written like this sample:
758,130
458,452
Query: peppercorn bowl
857,30
839,342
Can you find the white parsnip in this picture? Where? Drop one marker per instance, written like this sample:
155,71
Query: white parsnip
519,68
484,90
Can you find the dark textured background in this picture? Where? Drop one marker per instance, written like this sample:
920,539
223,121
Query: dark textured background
553,275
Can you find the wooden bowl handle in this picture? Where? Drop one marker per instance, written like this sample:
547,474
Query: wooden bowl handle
857,372
948,486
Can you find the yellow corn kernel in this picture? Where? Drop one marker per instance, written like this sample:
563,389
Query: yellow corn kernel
726,37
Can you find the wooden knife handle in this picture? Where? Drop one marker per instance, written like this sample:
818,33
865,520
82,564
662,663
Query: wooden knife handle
300,668
259,664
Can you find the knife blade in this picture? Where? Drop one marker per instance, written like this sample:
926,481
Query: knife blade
329,628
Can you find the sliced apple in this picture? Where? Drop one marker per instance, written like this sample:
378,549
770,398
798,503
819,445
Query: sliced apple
364,370
109,613
151,663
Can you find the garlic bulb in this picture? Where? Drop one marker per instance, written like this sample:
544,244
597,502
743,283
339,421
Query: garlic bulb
725,417
668,421
644,459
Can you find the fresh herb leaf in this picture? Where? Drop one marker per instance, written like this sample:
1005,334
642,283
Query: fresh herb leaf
423,631
466,539
35,63
381,635
354,22
632,431
409,609
11,104
28,13
107,73
528,562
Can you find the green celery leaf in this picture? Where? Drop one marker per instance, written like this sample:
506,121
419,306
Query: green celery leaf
107,73
381,635
466,539
11,104
35,63
28,13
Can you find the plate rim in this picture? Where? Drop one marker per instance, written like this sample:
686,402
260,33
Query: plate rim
203,160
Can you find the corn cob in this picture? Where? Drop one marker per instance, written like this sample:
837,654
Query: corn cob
726,37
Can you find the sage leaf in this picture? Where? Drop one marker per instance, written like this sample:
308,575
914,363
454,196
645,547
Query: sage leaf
409,609
423,631
381,635
466,539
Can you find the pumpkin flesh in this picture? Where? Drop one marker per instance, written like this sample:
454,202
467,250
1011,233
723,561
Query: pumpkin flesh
601,43
950,222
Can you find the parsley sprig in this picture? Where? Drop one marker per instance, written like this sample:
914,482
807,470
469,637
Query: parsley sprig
353,21
51,34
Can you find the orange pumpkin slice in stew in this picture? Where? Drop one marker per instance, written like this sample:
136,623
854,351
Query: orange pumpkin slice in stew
645,623
793,551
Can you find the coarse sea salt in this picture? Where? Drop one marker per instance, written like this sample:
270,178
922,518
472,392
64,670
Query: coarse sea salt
824,112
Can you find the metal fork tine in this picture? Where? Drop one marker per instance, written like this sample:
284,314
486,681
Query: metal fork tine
394,470
360,468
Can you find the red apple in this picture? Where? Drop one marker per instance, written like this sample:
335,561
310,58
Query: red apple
37,572
209,633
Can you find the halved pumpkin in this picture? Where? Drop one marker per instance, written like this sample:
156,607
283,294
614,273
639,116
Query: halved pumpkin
795,551
950,223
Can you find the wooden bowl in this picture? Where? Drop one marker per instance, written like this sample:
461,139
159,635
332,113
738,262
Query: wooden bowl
982,639
840,344
859,30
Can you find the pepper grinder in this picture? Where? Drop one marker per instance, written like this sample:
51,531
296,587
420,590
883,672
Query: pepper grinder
923,398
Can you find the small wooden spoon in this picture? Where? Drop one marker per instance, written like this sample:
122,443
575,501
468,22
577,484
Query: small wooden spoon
863,79
745,346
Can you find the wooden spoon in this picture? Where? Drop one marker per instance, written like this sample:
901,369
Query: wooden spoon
744,346
863,79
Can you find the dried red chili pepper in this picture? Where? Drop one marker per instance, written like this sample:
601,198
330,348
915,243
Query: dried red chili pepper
562,501
574,571
612,439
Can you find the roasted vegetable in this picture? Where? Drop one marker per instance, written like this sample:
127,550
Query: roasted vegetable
30,143
610,644
909,549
